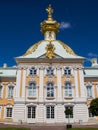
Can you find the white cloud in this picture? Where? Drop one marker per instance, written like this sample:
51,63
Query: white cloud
65,25
90,54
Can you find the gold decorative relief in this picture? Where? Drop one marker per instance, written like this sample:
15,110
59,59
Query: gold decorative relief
32,48
50,50
67,48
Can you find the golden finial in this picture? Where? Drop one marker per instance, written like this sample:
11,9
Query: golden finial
49,11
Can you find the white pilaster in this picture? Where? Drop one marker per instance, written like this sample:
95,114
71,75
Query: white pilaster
59,84
18,78
82,88
24,83
76,83
41,89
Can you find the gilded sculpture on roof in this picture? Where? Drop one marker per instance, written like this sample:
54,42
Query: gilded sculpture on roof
50,50
49,11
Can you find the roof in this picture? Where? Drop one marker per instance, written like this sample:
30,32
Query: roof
91,72
60,49
8,72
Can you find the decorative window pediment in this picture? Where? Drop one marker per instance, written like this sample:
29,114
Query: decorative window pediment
67,71
50,71
33,71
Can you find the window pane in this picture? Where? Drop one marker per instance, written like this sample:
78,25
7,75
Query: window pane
9,112
50,112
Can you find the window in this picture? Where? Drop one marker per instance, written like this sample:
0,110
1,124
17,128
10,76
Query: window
10,91
50,112
69,108
0,91
32,92
33,71
68,90
31,112
89,91
50,89
67,71
50,71
9,112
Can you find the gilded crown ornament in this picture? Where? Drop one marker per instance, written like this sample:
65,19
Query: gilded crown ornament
49,11
49,24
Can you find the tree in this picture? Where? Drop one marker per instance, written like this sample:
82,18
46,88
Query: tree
68,111
94,107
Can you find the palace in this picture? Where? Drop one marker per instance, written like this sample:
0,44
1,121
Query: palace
48,79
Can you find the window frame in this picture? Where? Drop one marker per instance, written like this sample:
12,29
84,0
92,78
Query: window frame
33,71
50,112
67,71
50,71
89,93
50,90
32,113
33,90
10,112
68,89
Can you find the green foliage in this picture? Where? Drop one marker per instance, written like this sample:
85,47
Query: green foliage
14,129
68,111
94,107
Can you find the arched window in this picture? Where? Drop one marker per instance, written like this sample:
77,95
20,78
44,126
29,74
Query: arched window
50,90
89,91
68,90
10,91
67,71
33,71
32,90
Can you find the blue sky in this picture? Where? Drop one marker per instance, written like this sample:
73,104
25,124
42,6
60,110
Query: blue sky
20,26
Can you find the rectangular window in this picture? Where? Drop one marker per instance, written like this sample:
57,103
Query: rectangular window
68,91
71,112
50,112
89,92
32,112
9,112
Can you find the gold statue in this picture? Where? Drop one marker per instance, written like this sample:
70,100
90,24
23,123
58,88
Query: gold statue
49,11
50,50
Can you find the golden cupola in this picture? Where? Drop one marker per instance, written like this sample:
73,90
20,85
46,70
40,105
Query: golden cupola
49,26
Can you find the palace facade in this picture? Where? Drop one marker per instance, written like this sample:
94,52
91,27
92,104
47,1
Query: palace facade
48,79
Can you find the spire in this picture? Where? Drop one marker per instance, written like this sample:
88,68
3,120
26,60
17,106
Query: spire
49,25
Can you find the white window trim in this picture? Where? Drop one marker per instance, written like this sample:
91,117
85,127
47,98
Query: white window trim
92,87
7,87
49,105
5,111
27,95
70,68
72,86
54,91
